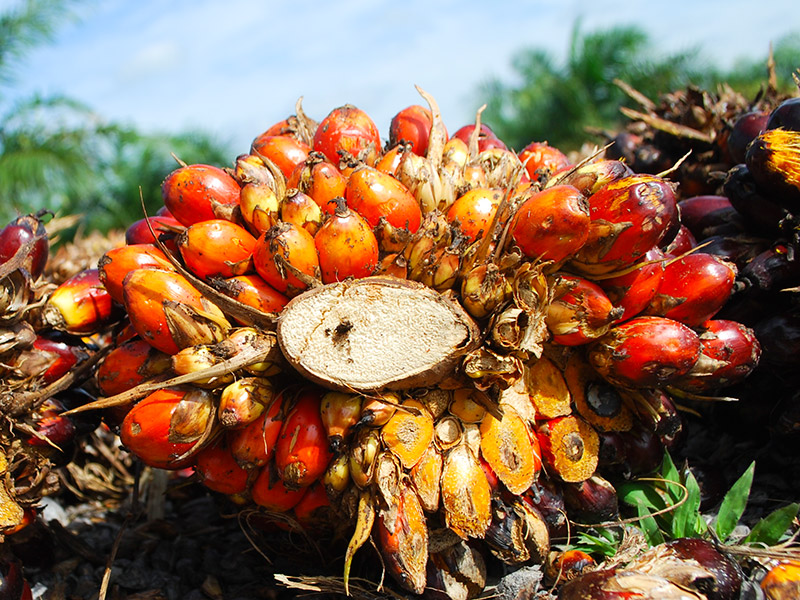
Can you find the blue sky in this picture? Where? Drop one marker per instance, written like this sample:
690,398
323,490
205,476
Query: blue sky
235,67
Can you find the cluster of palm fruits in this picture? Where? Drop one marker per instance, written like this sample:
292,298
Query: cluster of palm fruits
46,356
431,344
741,202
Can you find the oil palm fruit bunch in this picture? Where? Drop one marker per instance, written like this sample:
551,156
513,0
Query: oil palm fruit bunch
747,153
439,345
49,341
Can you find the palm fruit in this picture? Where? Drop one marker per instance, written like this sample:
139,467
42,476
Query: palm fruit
460,404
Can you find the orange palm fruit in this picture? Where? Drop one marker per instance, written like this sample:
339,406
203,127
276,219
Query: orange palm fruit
218,469
466,495
375,195
169,313
118,262
130,364
569,447
426,476
200,192
80,305
350,129
474,211
551,224
302,453
314,509
301,210
285,152
403,539
272,493
346,246
166,424
409,432
254,444
217,248
547,389
286,258
511,450
253,291
319,179
594,398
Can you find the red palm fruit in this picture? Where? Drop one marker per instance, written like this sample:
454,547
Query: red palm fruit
645,352
693,289
301,210
80,305
339,412
542,160
412,125
580,311
570,448
375,195
254,445
286,258
166,424
218,469
313,510
349,129
473,211
130,364
760,210
319,179
552,224
709,215
272,493
745,129
200,192
217,248
773,269
302,453
628,217
52,426
169,313
394,264
346,246
145,231
26,229
591,501
254,291
634,290
49,359
486,138
681,243
13,585
729,352
593,176
546,497
284,152
118,262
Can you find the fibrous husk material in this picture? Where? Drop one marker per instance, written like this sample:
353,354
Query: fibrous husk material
375,333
